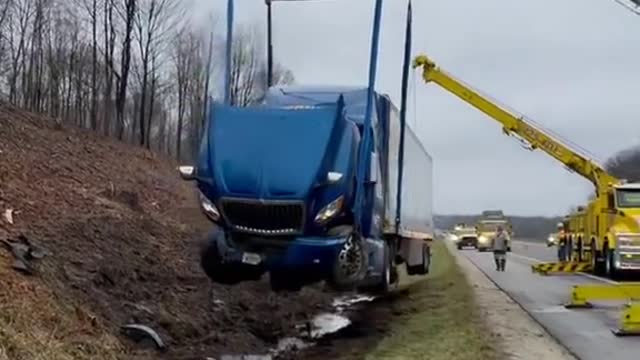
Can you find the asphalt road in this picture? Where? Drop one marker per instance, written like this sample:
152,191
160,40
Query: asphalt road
585,332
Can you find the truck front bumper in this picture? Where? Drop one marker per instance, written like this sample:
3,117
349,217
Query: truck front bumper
627,259
311,254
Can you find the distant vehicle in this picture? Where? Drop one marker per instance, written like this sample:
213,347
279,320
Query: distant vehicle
465,236
487,227
552,239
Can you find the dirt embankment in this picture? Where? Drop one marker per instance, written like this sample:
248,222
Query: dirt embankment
121,232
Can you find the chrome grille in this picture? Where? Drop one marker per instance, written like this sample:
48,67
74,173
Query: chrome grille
264,217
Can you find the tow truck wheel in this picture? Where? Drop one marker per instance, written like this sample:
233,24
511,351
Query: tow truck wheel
423,268
598,265
216,270
610,269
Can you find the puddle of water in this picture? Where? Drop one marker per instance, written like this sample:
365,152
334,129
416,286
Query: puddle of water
325,324
321,325
352,300
291,344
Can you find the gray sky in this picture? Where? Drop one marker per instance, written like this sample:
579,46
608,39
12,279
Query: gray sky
567,64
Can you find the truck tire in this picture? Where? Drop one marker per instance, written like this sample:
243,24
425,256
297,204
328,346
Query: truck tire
610,269
423,268
459,247
219,272
351,265
598,265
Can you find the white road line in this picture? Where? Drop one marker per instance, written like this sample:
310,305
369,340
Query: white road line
526,243
593,277
527,258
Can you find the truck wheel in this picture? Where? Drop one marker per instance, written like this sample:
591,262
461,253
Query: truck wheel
351,264
598,265
423,268
610,269
214,267
459,247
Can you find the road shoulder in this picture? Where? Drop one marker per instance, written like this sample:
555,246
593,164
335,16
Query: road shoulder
521,336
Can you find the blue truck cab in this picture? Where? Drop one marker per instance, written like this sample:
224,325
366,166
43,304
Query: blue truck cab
278,180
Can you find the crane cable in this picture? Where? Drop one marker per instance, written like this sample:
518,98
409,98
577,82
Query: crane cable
631,5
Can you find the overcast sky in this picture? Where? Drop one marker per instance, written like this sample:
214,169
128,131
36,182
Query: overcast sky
572,65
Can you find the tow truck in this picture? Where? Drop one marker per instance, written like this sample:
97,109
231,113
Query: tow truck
611,236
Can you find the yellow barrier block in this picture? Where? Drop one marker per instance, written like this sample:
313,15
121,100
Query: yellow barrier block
629,321
581,295
568,267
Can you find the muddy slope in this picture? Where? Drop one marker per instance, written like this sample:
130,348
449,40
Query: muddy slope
122,230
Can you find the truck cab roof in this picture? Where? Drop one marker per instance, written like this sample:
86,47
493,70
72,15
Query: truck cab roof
355,98
628,186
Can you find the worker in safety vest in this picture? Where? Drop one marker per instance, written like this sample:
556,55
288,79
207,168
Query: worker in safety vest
562,243
500,244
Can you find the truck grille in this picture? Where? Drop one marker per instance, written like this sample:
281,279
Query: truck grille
269,217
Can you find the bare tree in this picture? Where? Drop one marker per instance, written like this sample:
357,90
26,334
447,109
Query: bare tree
153,21
125,65
76,60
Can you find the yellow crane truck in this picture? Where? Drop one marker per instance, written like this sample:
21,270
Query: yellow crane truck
610,236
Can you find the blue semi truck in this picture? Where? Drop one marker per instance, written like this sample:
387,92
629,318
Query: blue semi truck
315,184
279,181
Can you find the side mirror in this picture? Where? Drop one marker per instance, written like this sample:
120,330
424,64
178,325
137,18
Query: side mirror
187,172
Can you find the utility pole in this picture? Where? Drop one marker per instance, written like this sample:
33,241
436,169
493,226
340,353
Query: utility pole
632,5
269,46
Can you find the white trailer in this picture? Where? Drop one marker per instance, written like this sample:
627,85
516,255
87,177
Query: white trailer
416,226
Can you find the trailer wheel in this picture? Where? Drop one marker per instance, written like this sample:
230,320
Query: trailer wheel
423,268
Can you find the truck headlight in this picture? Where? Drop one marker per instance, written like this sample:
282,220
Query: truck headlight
330,210
483,239
209,208
550,239
455,238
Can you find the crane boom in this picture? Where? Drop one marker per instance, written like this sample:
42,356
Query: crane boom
516,125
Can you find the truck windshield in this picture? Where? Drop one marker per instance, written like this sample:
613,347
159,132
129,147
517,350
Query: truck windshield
628,198
491,226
